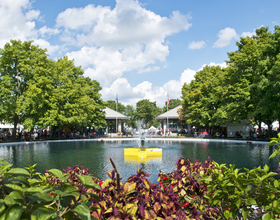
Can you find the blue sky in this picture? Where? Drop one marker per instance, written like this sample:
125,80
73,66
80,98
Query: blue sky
137,49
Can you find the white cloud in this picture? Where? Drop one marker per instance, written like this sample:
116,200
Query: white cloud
225,37
131,95
149,69
248,34
45,44
45,31
222,65
196,45
113,41
106,64
81,18
17,21
32,15
128,23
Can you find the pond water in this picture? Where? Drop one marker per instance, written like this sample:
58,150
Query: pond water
95,155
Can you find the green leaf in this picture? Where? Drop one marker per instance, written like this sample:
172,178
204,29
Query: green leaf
236,173
217,192
276,183
3,216
245,212
268,175
2,206
87,182
230,184
238,203
13,198
275,204
55,172
42,213
42,197
33,190
272,142
83,212
266,216
70,189
208,179
274,154
18,171
4,162
66,201
14,187
4,168
250,202
216,202
227,214
266,168
13,212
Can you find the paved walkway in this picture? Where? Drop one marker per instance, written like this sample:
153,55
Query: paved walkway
137,138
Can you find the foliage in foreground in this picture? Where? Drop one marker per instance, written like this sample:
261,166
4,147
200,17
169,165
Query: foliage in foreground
214,191
25,194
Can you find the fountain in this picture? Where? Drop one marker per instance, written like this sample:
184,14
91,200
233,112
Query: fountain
142,154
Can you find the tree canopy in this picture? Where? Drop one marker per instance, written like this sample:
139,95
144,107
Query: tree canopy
173,103
20,64
112,104
248,88
202,97
38,91
254,69
146,111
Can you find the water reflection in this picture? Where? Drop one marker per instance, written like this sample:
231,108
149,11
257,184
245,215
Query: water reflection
95,155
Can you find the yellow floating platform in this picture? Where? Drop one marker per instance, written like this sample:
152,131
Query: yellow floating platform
136,159
142,152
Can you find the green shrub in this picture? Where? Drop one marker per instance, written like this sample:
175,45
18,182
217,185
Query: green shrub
26,194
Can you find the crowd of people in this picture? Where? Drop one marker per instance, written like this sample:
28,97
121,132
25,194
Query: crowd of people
41,134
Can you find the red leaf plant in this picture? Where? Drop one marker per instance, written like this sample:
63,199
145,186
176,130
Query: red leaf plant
184,182
138,199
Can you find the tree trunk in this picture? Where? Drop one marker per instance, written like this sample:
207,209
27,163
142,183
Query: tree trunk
15,126
260,126
269,128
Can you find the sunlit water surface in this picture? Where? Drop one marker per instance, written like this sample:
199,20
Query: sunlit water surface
95,155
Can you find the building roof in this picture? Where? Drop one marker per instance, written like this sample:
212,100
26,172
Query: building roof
112,114
171,114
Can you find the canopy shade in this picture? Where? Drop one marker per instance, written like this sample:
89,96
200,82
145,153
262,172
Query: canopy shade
6,125
112,114
171,114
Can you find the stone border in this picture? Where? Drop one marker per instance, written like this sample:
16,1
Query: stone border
133,139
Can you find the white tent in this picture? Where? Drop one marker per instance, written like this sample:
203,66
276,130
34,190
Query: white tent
152,128
6,125
274,125
10,126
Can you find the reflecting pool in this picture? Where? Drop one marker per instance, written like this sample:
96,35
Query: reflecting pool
95,155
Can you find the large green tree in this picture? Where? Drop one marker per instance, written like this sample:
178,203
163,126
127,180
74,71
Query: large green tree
20,64
130,112
248,88
75,100
38,91
254,69
202,97
113,105
146,111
